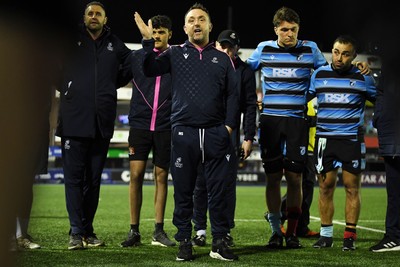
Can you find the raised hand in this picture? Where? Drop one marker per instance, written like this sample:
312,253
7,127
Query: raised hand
145,30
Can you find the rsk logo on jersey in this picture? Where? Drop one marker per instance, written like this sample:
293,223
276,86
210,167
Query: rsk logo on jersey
337,98
284,73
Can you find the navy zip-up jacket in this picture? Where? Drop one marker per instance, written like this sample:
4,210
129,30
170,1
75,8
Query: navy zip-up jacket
88,93
204,84
150,107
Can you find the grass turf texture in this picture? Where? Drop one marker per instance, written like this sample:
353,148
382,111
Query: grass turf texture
49,227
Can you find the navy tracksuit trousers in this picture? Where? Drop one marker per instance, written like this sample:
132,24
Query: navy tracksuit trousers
83,162
200,196
211,150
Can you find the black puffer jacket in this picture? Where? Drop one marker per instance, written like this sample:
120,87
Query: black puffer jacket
88,93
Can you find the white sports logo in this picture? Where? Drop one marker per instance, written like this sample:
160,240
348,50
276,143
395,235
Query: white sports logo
178,163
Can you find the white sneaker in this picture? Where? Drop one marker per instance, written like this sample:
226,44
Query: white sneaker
27,243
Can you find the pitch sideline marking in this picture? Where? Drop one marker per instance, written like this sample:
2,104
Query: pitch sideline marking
318,219
311,217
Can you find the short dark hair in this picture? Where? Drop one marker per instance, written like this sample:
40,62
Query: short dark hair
163,21
347,39
197,6
285,14
95,3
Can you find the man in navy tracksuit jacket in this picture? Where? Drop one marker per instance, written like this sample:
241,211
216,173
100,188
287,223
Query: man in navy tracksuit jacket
88,102
204,111
228,41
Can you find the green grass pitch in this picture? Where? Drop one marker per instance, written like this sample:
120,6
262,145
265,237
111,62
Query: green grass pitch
49,226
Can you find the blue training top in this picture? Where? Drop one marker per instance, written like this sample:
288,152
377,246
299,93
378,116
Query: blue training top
286,75
341,101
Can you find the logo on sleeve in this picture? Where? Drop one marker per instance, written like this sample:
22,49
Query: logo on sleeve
355,163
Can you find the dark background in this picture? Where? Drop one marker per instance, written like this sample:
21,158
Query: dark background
321,21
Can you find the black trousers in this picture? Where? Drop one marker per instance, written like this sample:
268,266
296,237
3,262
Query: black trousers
83,162
392,166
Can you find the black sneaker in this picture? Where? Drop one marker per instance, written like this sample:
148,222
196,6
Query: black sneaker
324,242
276,241
75,242
161,239
292,242
386,244
349,244
185,252
199,240
133,239
221,251
229,240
